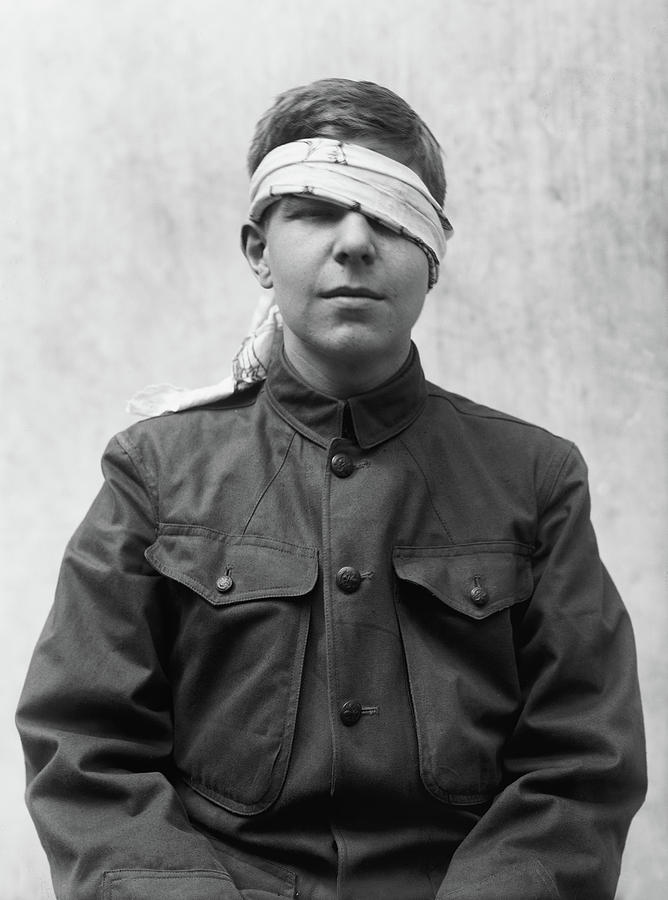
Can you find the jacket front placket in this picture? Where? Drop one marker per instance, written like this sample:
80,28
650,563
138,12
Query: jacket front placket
372,730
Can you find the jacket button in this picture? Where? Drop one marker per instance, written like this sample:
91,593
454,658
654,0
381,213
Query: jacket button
348,579
224,584
342,465
351,712
479,596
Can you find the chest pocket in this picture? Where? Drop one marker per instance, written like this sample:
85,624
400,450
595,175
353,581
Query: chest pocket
454,608
239,610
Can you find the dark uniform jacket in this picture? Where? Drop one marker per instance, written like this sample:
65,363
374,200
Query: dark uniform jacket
335,651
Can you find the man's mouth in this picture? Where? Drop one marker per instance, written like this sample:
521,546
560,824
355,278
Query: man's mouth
351,291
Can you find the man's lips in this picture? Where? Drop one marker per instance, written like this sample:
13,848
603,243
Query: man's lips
351,291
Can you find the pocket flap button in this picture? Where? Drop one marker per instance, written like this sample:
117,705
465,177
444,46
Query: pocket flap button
479,596
224,584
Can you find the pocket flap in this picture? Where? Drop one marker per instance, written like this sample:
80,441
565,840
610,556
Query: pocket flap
163,884
474,579
231,568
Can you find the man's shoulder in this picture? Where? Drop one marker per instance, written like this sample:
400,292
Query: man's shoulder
475,438
494,425
175,432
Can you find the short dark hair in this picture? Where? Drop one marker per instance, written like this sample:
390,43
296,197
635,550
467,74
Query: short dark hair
350,109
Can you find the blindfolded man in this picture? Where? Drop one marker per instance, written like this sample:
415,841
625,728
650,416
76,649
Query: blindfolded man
330,631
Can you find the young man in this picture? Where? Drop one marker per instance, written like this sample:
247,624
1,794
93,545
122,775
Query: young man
336,633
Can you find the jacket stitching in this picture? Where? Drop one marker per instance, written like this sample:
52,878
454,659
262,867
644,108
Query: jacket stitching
557,476
191,530
128,448
428,486
418,551
484,412
116,875
269,483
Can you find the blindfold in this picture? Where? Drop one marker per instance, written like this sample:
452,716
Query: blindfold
348,175
359,179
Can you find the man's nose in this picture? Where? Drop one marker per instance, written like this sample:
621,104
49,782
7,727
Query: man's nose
354,240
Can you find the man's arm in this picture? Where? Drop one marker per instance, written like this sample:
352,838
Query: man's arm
95,717
575,763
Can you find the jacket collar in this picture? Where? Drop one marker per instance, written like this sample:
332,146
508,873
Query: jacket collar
374,417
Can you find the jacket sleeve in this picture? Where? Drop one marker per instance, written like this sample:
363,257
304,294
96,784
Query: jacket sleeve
95,717
575,763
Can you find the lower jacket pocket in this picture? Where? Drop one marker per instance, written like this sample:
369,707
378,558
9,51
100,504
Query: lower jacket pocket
255,878
160,884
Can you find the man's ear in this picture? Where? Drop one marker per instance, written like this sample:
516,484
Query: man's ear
254,246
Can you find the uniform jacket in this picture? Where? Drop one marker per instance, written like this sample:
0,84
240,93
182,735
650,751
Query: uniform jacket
333,650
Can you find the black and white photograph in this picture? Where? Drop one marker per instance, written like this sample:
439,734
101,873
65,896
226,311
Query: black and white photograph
335,450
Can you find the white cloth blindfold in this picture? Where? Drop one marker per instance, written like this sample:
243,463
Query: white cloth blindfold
346,174
356,178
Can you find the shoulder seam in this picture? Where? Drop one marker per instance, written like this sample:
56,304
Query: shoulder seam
489,413
550,489
130,449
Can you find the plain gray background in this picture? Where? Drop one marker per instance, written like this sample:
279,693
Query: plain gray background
123,132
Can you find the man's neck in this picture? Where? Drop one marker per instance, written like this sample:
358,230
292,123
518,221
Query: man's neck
341,377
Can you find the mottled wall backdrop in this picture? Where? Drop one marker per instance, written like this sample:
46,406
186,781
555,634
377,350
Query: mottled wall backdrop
123,129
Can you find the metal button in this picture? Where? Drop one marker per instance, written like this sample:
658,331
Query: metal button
479,596
224,584
342,465
351,712
348,579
